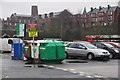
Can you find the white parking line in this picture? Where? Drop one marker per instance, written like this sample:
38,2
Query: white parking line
98,76
51,66
65,69
58,68
74,72
72,69
89,76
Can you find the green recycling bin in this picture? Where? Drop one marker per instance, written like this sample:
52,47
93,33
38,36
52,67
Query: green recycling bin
51,51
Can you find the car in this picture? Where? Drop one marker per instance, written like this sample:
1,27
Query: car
116,45
86,50
114,52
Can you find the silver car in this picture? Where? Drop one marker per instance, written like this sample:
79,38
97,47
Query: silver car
86,50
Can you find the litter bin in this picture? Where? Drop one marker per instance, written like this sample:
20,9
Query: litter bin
17,49
51,51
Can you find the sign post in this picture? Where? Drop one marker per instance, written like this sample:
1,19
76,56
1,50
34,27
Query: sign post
33,32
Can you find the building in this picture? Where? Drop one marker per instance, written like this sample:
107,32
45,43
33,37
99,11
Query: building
100,17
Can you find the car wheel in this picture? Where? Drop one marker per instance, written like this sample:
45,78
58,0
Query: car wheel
111,55
90,56
66,55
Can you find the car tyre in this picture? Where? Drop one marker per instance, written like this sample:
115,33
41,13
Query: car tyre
111,56
90,56
66,55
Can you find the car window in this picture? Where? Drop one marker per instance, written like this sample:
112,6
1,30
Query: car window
80,46
99,45
67,45
72,45
109,45
89,45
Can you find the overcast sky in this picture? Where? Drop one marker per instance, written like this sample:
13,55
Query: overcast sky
7,7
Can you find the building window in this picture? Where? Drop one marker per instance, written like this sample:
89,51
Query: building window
15,24
19,20
109,18
10,24
93,15
109,12
101,14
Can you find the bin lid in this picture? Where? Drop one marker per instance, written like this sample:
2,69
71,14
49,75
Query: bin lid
17,40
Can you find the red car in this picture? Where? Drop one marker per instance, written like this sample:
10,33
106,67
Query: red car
116,45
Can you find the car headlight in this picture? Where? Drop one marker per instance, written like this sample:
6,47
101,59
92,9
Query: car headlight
116,51
105,52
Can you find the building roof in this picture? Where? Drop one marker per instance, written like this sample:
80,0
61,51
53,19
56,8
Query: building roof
104,9
22,15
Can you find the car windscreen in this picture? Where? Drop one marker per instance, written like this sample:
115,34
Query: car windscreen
109,45
89,45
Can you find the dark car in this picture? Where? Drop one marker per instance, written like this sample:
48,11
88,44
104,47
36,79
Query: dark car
114,52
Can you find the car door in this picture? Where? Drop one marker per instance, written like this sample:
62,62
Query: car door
71,49
81,50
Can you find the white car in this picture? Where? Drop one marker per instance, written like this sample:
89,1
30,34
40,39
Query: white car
86,50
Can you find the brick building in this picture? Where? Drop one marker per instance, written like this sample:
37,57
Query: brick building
100,17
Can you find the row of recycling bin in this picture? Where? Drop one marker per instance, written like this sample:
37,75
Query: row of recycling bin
44,50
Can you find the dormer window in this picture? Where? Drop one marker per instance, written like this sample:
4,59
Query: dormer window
109,12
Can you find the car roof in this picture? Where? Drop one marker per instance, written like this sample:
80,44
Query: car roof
81,42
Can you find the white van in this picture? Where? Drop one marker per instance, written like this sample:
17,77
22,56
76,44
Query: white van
4,46
4,43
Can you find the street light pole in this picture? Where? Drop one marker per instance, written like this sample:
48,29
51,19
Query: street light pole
61,28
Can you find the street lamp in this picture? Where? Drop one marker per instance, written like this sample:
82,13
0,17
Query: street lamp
61,27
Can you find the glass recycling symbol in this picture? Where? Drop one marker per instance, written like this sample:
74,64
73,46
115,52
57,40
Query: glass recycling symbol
34,50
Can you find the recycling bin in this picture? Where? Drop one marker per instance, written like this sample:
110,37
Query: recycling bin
51,51
35,50
17,51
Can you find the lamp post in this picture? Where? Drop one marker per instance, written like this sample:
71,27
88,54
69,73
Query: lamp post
61,28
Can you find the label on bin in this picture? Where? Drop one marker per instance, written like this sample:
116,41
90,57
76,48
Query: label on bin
34,50
42,48
26,49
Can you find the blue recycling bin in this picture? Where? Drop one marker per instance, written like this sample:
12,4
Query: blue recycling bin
17,51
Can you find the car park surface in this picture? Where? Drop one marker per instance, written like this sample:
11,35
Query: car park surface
70,68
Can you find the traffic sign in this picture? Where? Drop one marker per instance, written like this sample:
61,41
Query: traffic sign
32,30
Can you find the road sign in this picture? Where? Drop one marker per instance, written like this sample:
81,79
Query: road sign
32,30
20,29
33,33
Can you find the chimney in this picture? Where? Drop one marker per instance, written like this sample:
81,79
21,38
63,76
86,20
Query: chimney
108,7
51,14
46,16
100,8
34,11
91,9
119,4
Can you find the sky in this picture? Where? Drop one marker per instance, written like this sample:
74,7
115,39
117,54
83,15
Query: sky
7,7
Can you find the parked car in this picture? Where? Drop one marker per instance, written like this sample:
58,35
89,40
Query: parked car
116,45
114,52
86,50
